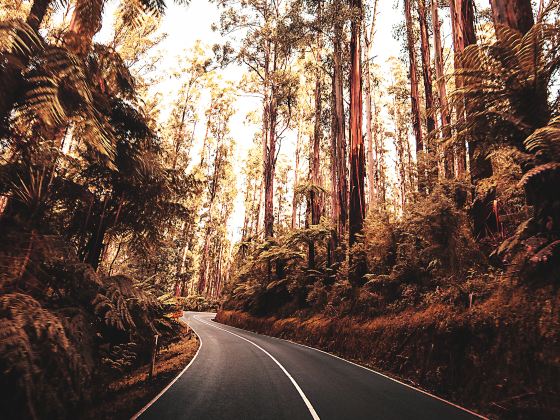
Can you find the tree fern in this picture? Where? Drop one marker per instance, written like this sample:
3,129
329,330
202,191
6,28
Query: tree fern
36,353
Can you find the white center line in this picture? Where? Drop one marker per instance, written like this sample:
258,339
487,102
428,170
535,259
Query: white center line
298,388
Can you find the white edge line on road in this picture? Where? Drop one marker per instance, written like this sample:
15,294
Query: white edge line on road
164,390
366,368
298,388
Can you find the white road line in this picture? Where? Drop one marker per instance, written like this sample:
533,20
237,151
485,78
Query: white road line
298,388
164,390
368,369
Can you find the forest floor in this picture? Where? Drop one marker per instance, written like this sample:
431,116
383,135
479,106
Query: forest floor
497,358
125,396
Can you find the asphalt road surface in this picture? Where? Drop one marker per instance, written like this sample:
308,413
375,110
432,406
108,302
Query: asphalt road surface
241,375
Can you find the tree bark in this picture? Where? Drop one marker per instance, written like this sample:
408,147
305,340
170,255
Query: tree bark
427,78
462,26
270,164
414,93
448,164
296,178
357,153
515,14
315,167
372,165
339,135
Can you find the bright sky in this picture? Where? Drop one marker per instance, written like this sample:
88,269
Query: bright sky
186,25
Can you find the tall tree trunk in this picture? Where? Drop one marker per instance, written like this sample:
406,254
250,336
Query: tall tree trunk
315,163
372,168
403,156
269,141
296,178
357,152
516,14
270,164
462,26
244,231
448,163
203,273
480,165
339,134
427,78
380,179
414,93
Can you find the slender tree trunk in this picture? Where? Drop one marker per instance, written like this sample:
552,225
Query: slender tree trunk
260,208
380,183
315,162
462,26
414,93
426,67
270,164
449,165
371,162
244,231
255,209
269,144
203,273
339,134
515,14
403,160
427,78
265,137
296,178
357,152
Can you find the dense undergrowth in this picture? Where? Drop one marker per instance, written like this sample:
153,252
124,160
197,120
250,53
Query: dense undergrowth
66,329
198,303
436,307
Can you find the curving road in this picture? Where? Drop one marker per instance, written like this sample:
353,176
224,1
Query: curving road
243,376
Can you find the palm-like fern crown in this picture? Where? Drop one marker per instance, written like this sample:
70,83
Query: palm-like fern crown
506,85
507,94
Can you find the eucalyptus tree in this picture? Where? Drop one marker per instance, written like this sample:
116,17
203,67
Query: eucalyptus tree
426,60
216,164
413,74
357,203
371,134
514,14
339,168
271,35
444,111
463,33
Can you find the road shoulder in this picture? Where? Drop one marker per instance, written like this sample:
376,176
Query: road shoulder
125,396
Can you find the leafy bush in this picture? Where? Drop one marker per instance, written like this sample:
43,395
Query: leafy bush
64,327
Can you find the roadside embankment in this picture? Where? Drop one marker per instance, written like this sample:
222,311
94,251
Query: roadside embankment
500,358
125,396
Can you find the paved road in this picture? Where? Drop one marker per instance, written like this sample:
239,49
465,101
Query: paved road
241,375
